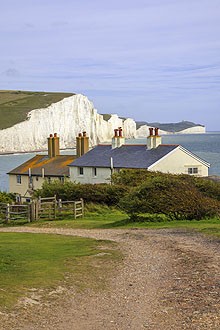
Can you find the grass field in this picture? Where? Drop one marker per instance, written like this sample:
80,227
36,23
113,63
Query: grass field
104,218
42,261
14,105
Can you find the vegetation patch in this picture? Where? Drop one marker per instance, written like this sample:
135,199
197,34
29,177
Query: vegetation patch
15,105
42,261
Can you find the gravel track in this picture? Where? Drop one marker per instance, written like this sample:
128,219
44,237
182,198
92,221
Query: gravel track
169,279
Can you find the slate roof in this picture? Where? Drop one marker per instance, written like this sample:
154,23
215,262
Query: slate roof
55,166
127,156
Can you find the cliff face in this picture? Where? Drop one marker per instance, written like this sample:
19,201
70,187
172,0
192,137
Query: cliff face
68,117
141,131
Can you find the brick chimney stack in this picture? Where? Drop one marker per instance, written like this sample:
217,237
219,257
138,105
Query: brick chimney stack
153,139
82,144
118,140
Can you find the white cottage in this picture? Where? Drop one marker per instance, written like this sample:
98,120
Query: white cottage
97,165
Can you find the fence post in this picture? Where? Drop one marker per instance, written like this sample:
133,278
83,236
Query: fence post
59,206
29,212
7,213
82,204
32,211
36,209
74,210
55,208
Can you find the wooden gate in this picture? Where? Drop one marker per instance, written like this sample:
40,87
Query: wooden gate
75,208
45,208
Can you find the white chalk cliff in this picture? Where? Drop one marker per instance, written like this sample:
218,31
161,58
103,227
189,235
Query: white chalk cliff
141,131
67,118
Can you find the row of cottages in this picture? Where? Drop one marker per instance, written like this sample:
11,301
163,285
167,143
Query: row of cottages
29,176
98,164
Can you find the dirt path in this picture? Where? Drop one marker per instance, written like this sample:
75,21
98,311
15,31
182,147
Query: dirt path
169,279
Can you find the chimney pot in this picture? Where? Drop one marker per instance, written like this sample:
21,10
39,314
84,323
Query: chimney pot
116,132
55,134
51,135
156,130
151,131
120,131
84,133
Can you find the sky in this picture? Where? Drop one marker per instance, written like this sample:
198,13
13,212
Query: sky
150,60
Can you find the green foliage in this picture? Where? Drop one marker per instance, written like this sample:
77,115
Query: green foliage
131,178
208,187
176,196
6,198
98,194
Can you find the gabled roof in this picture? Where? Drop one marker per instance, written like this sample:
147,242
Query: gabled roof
127,156
55,166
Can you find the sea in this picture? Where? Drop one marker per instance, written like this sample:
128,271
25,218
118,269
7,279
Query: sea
206,146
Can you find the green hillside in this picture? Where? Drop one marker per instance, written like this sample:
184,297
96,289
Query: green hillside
14,105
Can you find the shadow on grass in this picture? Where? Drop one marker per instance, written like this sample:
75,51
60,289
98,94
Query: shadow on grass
116,224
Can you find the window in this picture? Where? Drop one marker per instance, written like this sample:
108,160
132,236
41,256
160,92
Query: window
18,178
61,178
80,170
94,171
193,170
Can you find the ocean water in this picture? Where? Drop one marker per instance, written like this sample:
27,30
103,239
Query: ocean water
206,146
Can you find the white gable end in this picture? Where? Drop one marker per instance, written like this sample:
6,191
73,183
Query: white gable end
181,161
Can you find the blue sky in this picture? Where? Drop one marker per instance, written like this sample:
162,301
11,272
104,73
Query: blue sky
152,60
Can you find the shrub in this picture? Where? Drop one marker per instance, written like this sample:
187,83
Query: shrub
6,197
171,195
99,193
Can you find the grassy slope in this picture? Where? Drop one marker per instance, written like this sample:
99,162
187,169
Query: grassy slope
42,261
14,105
113,218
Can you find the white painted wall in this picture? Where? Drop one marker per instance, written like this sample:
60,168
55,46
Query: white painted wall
103,175
23,187
178,162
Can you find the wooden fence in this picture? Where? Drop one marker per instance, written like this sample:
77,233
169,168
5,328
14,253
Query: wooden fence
42,208
10,212
75,207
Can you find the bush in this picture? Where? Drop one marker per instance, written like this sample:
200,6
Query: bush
6,198
171,195
208,188
99,193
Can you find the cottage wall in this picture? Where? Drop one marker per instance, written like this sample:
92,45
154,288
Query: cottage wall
178,162
24,188
103,175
